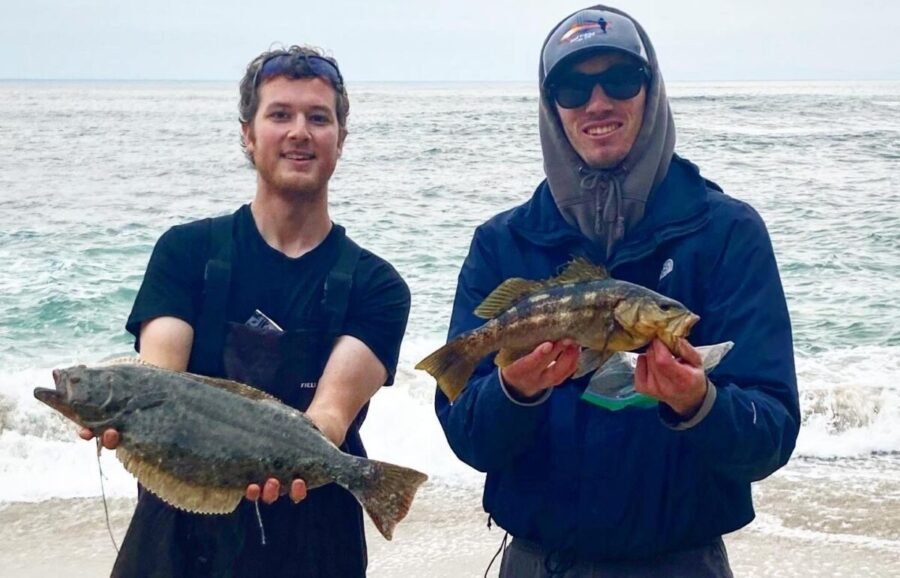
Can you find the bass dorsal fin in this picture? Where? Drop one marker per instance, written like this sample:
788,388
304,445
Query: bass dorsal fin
577,270
512,290
505,295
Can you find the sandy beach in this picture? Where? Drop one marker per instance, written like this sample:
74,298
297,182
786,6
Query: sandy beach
840,518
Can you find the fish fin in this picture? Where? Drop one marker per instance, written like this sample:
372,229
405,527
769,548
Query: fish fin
178,493
512,290
388,493
135,404
579,269
508,355
123,360
591,360
234,387
505,295
451,366
145,401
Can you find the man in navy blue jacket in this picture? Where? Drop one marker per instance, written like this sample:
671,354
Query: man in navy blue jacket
642,491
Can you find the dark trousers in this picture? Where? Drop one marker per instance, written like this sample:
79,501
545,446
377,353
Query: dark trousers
523,559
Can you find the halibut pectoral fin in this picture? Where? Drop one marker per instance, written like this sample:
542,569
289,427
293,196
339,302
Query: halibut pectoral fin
591,360
505,295
179,493
146,401
507,356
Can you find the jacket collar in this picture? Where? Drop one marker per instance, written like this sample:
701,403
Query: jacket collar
676,207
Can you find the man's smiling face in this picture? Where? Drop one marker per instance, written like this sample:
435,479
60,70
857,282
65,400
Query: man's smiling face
603,130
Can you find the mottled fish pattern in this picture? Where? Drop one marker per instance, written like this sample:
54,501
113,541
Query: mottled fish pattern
198,442
602,314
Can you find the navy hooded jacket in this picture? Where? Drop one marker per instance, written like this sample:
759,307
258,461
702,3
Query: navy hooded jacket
631,484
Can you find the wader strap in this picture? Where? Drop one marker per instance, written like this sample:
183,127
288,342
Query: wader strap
335,298
337,287
209,331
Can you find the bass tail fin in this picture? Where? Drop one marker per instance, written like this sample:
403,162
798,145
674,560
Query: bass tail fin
387,493
452,366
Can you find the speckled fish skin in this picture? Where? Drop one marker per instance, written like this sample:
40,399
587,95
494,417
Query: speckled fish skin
582,311
219,436
601,314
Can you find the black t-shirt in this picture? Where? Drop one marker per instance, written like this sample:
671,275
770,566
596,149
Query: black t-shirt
288,290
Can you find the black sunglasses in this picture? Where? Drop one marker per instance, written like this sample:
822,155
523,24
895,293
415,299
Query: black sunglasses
298,66
619,82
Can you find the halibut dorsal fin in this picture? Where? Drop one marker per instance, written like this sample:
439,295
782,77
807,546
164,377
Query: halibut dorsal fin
505,295
183,495
577,270
241,389
226,384
124,360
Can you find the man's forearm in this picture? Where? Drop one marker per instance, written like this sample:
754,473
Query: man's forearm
352,376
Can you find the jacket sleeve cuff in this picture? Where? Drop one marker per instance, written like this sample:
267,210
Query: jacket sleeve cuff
518,399
673,421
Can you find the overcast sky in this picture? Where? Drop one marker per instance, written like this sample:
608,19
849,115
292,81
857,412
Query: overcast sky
453,40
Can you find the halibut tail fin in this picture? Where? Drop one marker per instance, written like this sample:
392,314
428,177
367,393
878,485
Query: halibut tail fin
388,493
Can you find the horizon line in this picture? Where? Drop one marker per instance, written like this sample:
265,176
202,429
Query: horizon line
433,81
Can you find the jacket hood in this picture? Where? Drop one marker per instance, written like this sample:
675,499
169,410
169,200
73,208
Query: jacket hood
682,199
605,203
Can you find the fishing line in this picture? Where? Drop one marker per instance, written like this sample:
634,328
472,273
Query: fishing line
103,493
499,550
262,531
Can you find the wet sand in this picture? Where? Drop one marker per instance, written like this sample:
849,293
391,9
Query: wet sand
815,518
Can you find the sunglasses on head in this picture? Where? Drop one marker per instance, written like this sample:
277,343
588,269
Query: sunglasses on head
619,82
298,66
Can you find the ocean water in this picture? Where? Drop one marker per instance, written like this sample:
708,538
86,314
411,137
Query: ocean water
92,173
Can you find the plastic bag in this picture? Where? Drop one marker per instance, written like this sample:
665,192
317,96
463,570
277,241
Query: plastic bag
612,386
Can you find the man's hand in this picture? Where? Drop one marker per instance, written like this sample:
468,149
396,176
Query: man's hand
109,438
678,381
271,490
549,365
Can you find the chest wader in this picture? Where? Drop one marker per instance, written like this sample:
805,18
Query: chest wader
323,536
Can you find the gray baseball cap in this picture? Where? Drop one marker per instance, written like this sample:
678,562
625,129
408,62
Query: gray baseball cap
591,31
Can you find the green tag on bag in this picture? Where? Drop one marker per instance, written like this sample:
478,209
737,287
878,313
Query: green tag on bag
612,386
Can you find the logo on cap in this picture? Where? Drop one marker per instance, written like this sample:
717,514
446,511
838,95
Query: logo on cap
584,30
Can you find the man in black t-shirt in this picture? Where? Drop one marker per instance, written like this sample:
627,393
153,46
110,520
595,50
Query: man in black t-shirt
277,296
